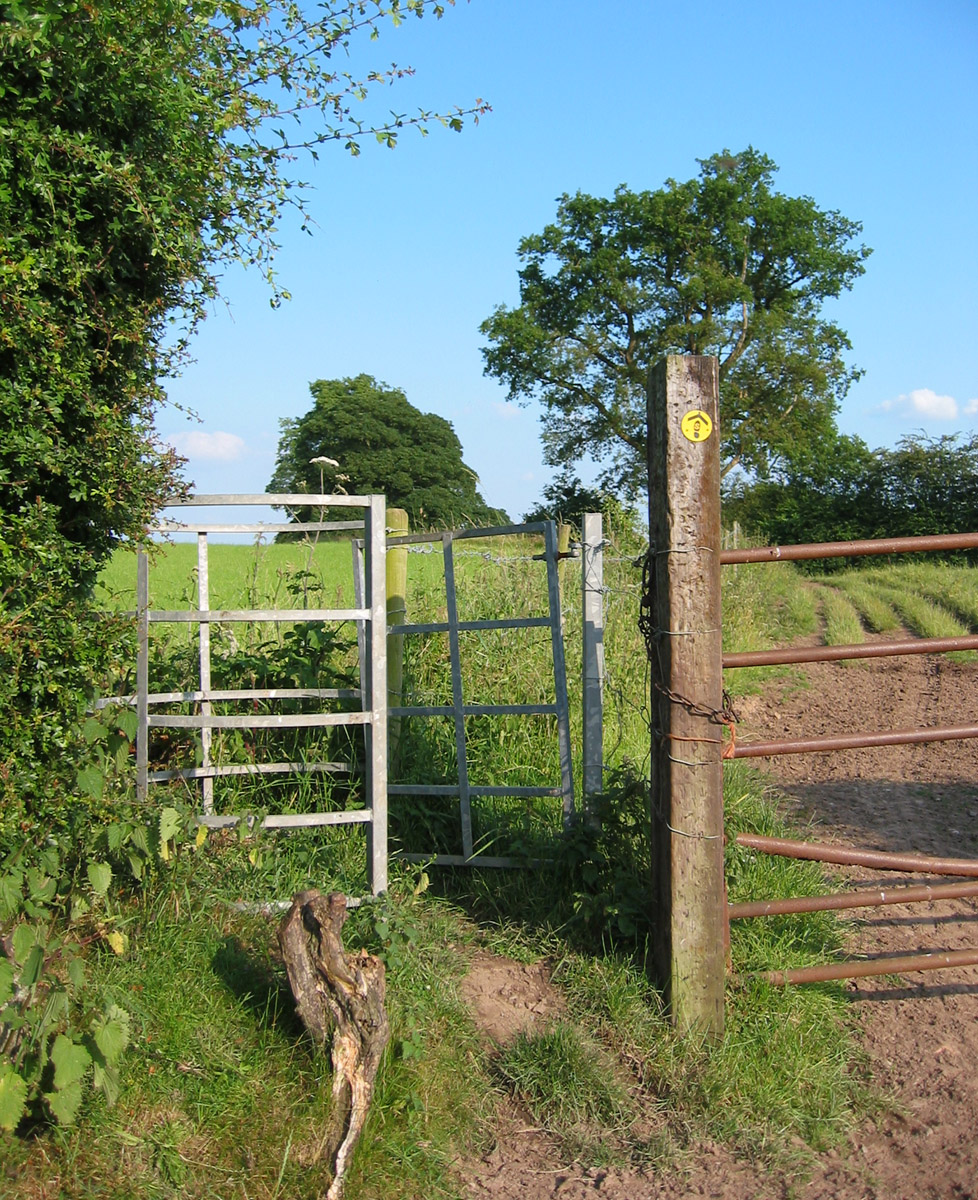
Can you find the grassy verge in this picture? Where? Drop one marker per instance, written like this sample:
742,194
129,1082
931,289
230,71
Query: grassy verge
221,1095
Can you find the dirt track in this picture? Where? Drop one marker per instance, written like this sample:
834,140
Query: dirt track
920,1031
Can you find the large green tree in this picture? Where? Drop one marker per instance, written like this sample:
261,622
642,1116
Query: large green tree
371,440
722,264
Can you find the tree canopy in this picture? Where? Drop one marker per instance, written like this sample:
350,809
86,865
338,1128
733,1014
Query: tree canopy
145,145
373,440
723,265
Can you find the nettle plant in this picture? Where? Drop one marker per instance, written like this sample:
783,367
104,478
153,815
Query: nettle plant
59,1038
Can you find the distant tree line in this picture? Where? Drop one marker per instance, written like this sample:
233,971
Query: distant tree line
923,486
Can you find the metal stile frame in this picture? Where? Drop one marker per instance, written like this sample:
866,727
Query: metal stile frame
592,603
370,614
459,710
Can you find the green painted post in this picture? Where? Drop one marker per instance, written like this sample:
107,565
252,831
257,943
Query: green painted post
397,526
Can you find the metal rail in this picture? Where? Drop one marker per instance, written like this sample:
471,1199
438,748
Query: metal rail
846,856
855,741
934,961
865,898
804,654
853,549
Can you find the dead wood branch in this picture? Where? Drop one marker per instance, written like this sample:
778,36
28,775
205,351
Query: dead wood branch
344,993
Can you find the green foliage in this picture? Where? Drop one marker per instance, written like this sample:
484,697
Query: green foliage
845,491
372,440
143,149
606,864
59,1038
566,499
721,265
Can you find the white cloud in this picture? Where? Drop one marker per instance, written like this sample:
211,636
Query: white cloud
507,412
926,404
218,446
971,408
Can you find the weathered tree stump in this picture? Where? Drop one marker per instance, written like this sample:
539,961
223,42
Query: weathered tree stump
343,993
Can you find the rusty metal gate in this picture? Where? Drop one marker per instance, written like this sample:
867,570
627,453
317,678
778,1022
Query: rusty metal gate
680,616
905,863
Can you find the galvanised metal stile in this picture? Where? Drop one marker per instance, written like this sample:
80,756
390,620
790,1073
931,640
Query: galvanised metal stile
459,709
370,613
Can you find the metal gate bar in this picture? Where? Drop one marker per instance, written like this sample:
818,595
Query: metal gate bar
831,854
854,741
371,611
936,960
459,710
864,898
853,549
804,654
880,860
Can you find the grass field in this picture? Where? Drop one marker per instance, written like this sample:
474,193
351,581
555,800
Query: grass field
222,1097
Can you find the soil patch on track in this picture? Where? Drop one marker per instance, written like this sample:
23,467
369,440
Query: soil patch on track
920,1030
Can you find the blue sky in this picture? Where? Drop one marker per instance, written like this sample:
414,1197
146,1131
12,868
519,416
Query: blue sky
870,108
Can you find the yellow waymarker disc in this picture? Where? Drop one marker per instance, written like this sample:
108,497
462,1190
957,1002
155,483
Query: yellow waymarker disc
696,425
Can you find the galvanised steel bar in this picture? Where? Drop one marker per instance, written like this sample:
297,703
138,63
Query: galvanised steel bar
142,676
802,654
477,710
902,545
451,604
275,500
376,692
865,898
881,860
359,816
893,965
260,720
282,615
472,626
592,665
204,658
560,673
855,741
258,528
283,768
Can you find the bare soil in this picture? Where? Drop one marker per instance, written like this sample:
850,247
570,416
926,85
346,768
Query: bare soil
919,1031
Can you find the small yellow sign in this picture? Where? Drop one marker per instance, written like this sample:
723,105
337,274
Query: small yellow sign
696,425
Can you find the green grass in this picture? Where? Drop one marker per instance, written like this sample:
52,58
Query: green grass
223,1096
876,613
843,626
928,599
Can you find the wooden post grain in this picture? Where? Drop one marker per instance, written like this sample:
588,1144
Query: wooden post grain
683,616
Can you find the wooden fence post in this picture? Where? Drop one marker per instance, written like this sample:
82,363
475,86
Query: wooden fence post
397,526
681,617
